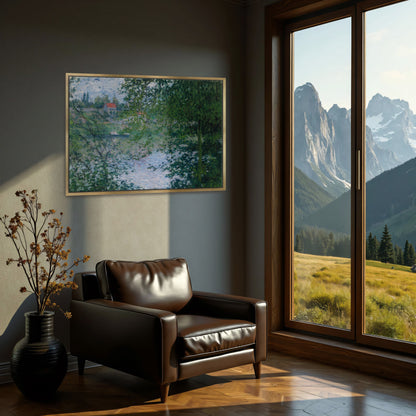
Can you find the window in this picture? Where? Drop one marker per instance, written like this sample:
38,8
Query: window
390,85
322,174
341,203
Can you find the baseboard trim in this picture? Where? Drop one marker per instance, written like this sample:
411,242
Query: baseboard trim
6,375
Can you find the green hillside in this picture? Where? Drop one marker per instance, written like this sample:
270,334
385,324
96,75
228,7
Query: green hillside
402,227
334,216
391,200
309,196
391,193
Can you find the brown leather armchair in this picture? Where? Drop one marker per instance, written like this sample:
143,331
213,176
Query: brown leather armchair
143,318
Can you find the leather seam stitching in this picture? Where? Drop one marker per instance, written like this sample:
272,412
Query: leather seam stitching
218,332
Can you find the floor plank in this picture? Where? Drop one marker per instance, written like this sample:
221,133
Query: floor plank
289,386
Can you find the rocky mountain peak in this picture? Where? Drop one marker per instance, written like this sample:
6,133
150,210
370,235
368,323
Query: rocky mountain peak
385,106
393,125
307,98
336,112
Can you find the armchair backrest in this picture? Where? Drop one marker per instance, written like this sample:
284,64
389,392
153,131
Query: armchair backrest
159,284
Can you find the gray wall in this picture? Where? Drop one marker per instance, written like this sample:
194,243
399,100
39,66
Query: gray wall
42,40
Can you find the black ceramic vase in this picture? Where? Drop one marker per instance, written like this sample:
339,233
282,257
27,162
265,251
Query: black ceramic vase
39,360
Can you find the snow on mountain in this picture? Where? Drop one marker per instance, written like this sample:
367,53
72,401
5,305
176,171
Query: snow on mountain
393,126
374,122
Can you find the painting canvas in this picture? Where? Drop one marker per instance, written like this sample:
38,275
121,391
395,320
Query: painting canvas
144,134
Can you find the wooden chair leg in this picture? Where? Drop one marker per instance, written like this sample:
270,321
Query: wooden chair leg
164,392
257,369
81,366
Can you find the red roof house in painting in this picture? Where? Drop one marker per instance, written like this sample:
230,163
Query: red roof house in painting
110,107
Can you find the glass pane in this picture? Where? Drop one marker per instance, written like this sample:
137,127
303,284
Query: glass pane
390,279
322,175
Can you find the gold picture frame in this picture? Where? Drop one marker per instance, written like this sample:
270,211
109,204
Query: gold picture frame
144,134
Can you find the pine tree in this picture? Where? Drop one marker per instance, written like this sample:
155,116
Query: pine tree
299,244
406,261
385,251
368,247
398,254
371,248
331,244
412,255
376,248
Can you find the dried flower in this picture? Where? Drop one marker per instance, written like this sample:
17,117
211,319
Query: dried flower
43,260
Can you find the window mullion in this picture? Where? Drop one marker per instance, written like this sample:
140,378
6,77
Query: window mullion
358,165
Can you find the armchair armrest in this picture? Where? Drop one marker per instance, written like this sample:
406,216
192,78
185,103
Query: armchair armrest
88,286
233,307
134,339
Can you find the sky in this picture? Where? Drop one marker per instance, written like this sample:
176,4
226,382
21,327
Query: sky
322,56
96,86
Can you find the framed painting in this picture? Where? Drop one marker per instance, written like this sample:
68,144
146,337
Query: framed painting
128,133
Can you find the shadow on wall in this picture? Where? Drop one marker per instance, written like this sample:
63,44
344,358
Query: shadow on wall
15,330
160,37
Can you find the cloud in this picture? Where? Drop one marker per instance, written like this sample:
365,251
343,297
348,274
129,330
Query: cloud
377,36
394,75
406,51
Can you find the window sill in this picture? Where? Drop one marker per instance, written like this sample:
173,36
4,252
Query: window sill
351,356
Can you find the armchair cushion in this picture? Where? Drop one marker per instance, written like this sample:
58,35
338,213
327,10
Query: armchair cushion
159,284
203,336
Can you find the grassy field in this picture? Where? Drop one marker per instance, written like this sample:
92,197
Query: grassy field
322,295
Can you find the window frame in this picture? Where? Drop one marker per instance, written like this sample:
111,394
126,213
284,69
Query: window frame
290,28
282,19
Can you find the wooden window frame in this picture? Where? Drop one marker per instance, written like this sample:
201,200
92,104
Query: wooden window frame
345,12
279,188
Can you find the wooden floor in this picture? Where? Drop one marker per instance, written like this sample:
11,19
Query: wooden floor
289,386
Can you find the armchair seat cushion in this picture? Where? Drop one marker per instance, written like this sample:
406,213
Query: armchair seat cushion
203,336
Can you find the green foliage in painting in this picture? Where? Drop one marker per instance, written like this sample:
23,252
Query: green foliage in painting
191,113
139,112
195,145
93,163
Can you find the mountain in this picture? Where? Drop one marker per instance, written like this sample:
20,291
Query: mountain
314,134
322,153
341,121
390,199
323,143
377,159
335,217
309,196
393,125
